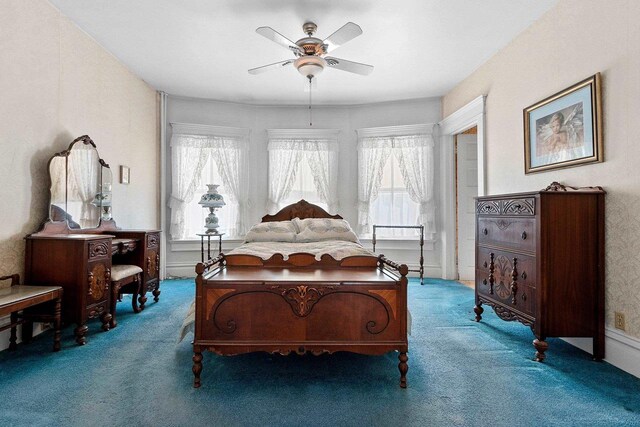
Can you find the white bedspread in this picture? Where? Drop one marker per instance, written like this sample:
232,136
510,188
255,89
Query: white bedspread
338,249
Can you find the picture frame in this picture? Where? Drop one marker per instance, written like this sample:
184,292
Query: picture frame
565,129
125,174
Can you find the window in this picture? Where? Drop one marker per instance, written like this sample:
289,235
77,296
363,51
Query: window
304,187
394,206
200,155
303,164
395,179
195,214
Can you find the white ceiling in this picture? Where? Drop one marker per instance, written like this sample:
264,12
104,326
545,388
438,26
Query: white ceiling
203,48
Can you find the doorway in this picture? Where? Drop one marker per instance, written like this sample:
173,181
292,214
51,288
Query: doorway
466,186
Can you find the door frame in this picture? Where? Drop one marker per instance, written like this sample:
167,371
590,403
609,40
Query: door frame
472,114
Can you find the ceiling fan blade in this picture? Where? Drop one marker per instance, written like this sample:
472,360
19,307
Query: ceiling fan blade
350,66
345,33
275,36
260,70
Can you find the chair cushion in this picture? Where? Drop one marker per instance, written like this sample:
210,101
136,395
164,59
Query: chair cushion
119,272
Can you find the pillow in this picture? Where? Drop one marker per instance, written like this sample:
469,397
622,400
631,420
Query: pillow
273,231
318,229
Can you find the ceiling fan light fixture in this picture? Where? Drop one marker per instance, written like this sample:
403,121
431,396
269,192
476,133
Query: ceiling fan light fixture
310,65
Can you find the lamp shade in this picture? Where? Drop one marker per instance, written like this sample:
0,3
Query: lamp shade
212,199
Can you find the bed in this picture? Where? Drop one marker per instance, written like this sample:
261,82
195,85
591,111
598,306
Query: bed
315,297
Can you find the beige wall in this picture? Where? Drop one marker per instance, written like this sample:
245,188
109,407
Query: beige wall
56,84
574,40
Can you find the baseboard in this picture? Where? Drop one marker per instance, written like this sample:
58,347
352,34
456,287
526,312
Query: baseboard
620,349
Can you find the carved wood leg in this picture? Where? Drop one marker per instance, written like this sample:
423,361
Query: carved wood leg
156,293
80,332
115,291
57,322
27,331
404,368
197,365
541,346
143,297
136,292
14,336
105,319
478,310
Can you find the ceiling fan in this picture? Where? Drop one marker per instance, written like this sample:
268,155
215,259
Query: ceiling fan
311,51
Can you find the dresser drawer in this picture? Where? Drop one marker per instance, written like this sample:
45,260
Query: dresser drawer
99,249
525,296
511,233
503,266
521,206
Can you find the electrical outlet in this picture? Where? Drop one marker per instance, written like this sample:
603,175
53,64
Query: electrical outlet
619,318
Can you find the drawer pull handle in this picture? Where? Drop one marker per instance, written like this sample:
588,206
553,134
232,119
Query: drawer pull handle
518,207
484,282
523,275
485,231
524,297
485,264
524,235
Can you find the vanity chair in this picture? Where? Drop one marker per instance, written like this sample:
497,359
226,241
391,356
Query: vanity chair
79,245
125,279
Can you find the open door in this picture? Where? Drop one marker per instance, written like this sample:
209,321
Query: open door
466,160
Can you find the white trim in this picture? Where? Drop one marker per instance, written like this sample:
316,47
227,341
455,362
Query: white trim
303,133
621,350
209,130
396,130
163,185
472,114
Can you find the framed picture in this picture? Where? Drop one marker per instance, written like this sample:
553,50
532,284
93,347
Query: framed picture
565,129
125,174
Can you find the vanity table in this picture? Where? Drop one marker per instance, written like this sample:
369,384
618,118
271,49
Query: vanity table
80,242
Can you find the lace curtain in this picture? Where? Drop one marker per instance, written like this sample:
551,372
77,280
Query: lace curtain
231,159
284,157
373,153
415,154
189,154
85,171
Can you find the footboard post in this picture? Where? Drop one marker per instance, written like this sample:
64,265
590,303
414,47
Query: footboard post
197,365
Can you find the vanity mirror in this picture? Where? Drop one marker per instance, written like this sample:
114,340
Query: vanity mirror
80,186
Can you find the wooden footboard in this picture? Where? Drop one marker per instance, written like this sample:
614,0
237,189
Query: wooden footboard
317,307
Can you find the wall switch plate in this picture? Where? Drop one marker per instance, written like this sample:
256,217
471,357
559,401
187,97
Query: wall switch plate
619,320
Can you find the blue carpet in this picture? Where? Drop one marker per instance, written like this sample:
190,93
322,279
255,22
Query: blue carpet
460,373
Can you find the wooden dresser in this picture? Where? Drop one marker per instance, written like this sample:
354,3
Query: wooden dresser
540,260
80,261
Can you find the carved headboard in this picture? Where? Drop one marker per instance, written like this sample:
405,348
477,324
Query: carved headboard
302,210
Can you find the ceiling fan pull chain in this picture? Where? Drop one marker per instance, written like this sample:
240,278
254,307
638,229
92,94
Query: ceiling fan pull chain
310,117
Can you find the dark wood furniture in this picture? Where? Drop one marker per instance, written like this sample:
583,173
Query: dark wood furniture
540,260
125,279
80,260
246,304
420,269
37,303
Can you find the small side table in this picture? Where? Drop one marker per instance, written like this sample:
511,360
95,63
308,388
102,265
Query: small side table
417,227
209,236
